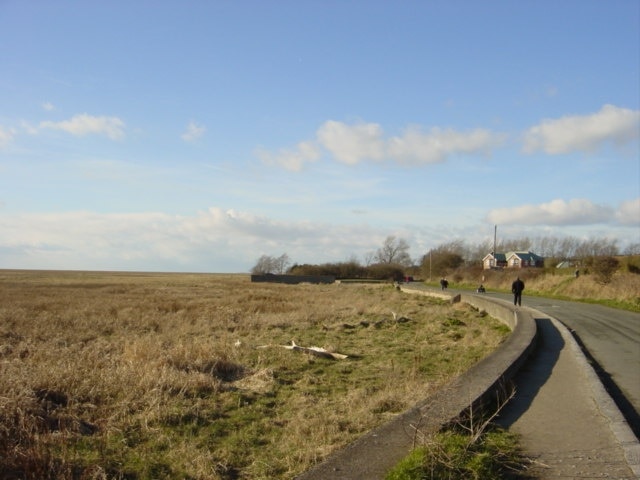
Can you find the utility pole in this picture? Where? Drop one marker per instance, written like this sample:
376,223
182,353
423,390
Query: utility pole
495,237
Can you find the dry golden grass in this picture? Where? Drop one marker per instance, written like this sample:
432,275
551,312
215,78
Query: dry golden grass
124,375
624,287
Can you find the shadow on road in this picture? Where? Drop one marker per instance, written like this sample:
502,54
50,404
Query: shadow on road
626,408
534,373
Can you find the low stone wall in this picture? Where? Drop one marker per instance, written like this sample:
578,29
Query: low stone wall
496,308
503,363
374,454
442,294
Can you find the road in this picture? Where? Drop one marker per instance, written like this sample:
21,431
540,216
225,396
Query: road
611,340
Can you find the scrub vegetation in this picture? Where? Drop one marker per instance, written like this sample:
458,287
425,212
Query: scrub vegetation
473,448
141,376
622,290
455,454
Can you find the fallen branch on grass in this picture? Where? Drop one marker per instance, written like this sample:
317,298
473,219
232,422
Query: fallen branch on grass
316,351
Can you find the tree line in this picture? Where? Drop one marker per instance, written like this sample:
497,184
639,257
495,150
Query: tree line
393,261
388,262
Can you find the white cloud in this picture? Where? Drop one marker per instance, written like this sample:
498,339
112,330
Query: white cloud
84,124
629,212
584,133
435,146
6,136
27,127
291,159
193,132
213,240
352,143
556,212
48,106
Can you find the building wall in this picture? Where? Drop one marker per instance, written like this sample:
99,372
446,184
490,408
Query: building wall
489,263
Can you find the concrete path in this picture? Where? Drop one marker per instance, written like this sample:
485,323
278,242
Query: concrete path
568,424
611,339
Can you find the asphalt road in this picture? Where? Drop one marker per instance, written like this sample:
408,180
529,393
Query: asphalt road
611,341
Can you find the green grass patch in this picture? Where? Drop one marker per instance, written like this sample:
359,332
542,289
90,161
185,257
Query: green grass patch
459,454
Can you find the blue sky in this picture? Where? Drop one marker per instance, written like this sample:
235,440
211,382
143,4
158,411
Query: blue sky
199,135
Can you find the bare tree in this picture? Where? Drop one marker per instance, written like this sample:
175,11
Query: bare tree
281,263
596,247
632,249
369,258
444,258
475,253
394,250
262,266
546,246
269,264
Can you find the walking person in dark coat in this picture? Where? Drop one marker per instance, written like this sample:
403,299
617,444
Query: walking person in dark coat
517,287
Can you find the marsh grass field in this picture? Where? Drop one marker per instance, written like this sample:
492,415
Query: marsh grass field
158,376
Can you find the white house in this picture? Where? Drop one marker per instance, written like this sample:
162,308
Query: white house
524,259
512,260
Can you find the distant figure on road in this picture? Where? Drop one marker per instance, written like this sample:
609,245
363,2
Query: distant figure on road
444,283
481,289
517,287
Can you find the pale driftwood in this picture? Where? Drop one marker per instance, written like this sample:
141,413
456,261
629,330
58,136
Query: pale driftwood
400,319
317,351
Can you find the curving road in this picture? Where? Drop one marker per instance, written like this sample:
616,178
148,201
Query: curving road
611,340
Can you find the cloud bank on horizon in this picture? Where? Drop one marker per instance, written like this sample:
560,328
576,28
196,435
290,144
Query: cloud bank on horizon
102,166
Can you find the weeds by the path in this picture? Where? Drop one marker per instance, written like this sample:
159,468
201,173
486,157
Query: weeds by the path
456,454
473,448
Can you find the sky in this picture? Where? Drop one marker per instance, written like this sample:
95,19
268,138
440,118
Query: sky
197,136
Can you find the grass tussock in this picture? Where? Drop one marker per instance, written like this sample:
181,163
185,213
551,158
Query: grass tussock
473,447
454,454
140,376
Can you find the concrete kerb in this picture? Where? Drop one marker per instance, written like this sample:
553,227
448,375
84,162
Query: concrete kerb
375,453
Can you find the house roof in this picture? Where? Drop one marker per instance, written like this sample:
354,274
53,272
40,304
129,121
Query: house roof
500,257
528,256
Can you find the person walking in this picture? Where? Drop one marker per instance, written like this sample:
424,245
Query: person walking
517,287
